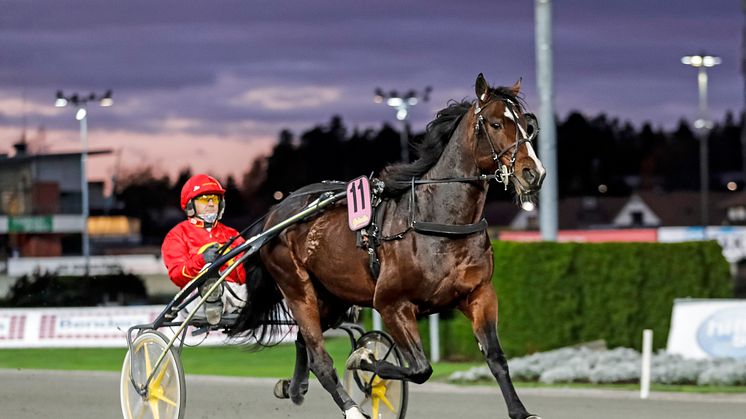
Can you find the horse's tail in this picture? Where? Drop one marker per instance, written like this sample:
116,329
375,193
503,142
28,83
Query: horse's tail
263,320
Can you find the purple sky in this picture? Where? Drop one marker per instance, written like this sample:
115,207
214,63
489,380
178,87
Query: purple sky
211,85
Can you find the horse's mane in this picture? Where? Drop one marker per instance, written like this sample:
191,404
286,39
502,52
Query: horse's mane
397,177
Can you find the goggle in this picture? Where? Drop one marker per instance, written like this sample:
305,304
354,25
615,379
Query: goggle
205,199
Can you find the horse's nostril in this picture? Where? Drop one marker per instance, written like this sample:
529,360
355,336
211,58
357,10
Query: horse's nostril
529,175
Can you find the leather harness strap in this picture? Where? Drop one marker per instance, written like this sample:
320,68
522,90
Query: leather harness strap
449,229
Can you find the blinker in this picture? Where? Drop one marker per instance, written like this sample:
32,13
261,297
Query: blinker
532,126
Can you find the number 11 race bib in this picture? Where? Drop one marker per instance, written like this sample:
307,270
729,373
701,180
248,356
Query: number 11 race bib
358,203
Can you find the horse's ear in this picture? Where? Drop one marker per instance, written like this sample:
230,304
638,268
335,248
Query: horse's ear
516,88
481,88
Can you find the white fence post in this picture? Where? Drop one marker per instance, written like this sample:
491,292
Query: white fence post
647,349
434,337
376,320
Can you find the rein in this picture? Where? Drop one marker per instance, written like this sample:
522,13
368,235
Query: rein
466,179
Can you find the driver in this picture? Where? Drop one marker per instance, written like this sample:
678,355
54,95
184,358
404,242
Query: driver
195,242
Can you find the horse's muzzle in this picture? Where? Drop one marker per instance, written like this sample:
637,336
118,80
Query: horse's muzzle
533,178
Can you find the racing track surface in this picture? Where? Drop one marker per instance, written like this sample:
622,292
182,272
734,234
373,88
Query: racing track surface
89,395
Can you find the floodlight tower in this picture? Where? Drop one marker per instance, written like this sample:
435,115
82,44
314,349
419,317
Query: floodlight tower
703,124
402,103
80,103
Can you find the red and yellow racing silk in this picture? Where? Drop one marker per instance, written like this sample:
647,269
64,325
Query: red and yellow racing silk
183,246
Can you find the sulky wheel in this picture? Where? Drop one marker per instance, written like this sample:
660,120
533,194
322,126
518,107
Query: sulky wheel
379,398
166,393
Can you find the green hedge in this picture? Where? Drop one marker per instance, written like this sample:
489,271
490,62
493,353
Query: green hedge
552,295
557,294
50,290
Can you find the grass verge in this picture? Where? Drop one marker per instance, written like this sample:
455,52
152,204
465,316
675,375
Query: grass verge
209,360
274,362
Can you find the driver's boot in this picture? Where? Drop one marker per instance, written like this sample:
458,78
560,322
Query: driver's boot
214,304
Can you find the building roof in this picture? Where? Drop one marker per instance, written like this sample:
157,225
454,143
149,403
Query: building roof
25,158
734,199
589,212
682,208
574,213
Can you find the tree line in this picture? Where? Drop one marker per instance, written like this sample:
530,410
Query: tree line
596,156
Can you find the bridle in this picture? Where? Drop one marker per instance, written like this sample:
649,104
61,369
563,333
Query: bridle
503,171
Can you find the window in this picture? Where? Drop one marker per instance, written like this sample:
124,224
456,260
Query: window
638,218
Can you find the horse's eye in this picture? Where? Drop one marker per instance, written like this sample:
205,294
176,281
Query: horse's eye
496,125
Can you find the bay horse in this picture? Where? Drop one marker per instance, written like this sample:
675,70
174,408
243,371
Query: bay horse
320,272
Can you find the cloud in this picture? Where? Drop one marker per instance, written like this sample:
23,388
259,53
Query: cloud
278,98
15,107
176,124
191,81
166,152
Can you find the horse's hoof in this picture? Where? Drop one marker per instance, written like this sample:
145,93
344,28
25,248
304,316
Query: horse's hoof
281,389
356,358
533,417
297,399
354,413
298,394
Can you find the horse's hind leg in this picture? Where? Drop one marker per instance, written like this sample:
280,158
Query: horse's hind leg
320,362
481,308
301,298
299,383
401,321
297,387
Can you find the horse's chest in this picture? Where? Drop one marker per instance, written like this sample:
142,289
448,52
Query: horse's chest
445,270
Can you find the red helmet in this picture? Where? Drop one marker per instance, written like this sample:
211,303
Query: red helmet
199,184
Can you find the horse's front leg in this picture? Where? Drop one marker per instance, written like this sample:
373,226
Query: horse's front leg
297,387
401,322
481,308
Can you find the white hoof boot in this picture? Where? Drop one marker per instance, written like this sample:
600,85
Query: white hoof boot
357,357
353,413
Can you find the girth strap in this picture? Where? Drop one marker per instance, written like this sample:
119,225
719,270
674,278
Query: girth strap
449,229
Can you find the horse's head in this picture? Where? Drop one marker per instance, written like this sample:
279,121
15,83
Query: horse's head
502,139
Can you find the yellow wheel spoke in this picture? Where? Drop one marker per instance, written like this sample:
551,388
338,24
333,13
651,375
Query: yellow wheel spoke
154,408
375,408
388,404
378,392
163,398
143,408
148,366
156,391
157,379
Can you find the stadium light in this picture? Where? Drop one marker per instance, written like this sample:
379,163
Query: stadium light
703,125
81,114
401,104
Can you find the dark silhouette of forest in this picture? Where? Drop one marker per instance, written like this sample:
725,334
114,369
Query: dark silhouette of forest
591,152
